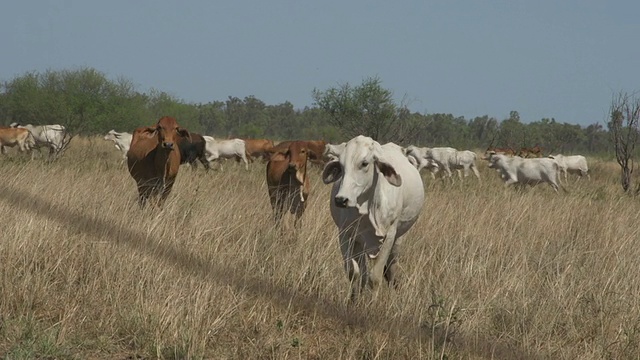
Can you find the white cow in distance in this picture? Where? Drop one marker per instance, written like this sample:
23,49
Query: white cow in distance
423,163
376,197
122,141
575,164
225,149
53,137
517,170
445,159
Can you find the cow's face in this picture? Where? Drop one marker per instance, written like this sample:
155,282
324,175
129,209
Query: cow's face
168,132
359,167
297,155
496,159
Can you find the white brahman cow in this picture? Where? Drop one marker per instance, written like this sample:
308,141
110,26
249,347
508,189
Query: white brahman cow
376,197
525,171
575,164
446,159
225,149
53,137
122,141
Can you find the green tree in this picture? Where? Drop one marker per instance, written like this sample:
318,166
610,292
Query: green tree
367,109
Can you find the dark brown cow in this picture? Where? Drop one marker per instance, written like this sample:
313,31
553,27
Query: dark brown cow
154,158
15,136
192,150
287,180
257,148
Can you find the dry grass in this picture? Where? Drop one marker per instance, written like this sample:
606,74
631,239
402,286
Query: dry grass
487,272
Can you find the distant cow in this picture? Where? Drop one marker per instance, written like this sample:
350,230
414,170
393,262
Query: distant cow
287,180
574,164
495,150
376,197
258,148
153,158
225,149
446,158
192,150
517,170
122,140
53,137
430,165
15,136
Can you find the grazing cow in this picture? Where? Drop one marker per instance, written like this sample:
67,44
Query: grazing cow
287,180
445,158
376,197
53,137
153,158
332,152
225,149
122,140
15,136
575,164
525,171
192,149
257,148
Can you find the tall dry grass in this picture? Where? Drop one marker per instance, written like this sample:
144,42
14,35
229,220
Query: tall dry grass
487,272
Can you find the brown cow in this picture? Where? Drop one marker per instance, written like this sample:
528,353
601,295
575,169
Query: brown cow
257,148
287,180
533,152
315,147
154,158
505,151
15,136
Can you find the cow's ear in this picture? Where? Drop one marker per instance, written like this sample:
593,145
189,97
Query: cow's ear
184,133
149,131
332,172
389,173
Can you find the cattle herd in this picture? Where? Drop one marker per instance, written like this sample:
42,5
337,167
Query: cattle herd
377,192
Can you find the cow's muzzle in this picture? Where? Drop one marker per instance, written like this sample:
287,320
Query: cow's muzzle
167,145
341,201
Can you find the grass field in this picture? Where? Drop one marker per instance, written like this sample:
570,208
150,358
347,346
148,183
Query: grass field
487,272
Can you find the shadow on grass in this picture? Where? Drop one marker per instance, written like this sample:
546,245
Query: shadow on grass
350,316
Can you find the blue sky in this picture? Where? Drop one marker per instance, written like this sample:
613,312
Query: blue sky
561,59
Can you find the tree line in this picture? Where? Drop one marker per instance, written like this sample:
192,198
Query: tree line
87,102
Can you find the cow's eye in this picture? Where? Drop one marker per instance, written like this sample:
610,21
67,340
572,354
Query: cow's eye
364,164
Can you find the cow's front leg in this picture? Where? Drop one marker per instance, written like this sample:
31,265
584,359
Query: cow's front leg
378,261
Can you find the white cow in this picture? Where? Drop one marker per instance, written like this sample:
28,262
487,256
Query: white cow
525,171
122,140
225,149
53,137
376,197
421,163
446,159
332,152
575,164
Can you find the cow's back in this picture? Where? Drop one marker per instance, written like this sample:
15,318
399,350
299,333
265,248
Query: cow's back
411,190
